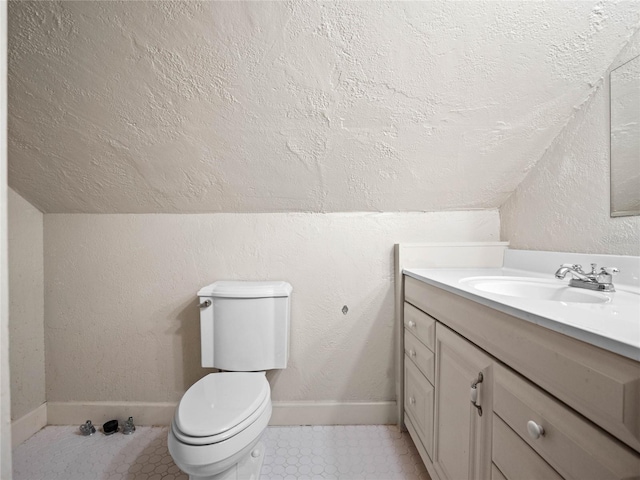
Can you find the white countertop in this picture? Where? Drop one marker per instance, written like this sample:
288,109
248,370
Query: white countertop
614,326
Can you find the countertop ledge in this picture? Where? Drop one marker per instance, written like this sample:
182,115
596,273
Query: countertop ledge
613,326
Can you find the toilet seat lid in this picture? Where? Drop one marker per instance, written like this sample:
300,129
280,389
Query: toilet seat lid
219,402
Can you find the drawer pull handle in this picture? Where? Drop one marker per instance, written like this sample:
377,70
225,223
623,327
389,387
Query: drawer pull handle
411,324
535,431
412,401
412,353
474,393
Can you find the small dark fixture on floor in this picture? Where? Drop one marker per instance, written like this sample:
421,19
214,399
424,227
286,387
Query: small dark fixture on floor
110,427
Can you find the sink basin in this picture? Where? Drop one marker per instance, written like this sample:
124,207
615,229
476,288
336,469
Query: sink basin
535,288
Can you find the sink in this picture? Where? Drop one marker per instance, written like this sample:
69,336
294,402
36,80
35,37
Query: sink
551,290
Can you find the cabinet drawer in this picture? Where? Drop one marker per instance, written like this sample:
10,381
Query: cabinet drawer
420,355
418,403
514,458
421,325
572,445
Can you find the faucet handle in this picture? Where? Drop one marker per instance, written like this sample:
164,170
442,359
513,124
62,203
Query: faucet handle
609,270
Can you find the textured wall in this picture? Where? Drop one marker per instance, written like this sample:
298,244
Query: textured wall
178,107
26,308
122,320
5,386
563,205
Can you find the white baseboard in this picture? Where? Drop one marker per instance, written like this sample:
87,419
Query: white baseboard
284,413
27,425
333,413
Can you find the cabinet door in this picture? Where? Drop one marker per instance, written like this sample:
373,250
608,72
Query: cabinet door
462,447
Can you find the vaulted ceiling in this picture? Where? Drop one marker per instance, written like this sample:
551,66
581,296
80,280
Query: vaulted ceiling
153,106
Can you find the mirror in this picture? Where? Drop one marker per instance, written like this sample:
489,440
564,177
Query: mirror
625,139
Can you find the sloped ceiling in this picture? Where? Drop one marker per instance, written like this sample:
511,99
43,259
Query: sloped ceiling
295,106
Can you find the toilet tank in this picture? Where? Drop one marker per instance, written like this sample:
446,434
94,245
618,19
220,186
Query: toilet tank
244,326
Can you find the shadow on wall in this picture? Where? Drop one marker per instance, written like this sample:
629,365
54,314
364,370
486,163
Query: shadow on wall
186,338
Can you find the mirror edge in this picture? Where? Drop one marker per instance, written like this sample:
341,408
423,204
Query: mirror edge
612,212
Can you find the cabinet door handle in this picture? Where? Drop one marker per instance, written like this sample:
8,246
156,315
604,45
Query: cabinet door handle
412,353
535,430
474,393
412,401
411,324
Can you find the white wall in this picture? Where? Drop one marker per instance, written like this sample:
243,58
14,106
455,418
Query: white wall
5,387
563,205
26,306
122,321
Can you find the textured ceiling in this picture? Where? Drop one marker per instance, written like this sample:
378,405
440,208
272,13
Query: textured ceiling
295,106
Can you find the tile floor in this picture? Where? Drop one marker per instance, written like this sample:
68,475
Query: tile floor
379,452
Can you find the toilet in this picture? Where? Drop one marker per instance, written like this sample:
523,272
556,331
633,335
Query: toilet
244,331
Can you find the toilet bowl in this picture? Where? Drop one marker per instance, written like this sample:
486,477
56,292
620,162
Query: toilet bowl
215,433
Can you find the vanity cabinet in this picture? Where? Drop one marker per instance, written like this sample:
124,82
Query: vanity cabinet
552,407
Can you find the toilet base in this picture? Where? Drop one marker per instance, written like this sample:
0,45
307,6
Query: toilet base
246,469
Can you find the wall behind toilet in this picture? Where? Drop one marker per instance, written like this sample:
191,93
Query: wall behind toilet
122,321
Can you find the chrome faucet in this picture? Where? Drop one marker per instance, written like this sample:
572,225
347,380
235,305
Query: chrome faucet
594,280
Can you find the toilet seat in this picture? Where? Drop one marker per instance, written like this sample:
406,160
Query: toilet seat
219,406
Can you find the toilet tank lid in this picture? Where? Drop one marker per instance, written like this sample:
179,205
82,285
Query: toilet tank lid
246,289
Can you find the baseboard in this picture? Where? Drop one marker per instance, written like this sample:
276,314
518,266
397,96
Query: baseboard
284,413
27,425
143,413
334,413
